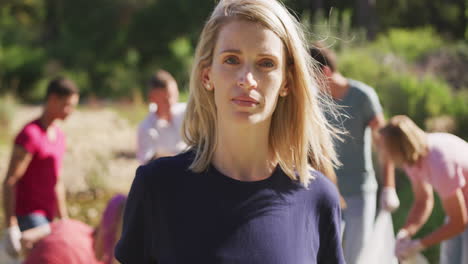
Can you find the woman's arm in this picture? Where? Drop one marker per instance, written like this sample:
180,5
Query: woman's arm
421,208
455,208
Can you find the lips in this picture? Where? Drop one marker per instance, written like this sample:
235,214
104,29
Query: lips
245,101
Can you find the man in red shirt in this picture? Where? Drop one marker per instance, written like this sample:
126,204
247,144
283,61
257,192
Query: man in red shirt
33,193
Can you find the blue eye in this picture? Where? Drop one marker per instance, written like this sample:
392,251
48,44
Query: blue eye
267,64
231,60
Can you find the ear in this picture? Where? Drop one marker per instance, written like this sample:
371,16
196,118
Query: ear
206,79
286,84
327,71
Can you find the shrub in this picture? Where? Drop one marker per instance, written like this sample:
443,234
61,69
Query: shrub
410,44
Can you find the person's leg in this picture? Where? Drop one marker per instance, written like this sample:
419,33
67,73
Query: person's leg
359,219
31,220
451,251
464,246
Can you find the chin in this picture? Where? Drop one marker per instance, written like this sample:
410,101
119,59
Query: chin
249,118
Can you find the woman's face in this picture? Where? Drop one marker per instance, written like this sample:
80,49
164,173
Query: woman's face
247,72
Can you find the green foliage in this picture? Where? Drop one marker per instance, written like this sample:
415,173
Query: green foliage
112,46
368,68
401,91
410,44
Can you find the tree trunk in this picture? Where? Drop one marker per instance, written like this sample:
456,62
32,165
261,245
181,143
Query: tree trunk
366,16
316,5
52,21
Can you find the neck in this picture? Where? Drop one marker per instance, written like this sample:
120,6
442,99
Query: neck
339,86
165,114
46,120
243,152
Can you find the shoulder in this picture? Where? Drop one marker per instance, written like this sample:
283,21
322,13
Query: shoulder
148,122
324,191
31,129
29,136
362,89
444,139
156,170
179,108
445,148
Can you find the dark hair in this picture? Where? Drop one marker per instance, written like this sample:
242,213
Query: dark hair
160,79
61,87
323,56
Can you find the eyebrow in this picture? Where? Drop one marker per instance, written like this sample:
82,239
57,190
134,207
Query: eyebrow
236,51
231,51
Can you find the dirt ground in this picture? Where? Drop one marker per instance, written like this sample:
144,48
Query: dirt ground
100,149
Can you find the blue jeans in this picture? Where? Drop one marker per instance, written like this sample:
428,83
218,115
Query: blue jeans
359,219
455,250
29,221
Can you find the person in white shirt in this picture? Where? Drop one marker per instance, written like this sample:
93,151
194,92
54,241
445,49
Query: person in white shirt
159,134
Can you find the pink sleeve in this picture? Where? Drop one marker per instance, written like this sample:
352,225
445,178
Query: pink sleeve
446,177
27,139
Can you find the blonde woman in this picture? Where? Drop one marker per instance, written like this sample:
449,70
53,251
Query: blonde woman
244,192
432,161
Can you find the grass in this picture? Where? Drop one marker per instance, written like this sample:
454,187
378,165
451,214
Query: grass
84,206
136,112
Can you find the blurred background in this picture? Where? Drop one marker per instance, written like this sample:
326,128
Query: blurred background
413,52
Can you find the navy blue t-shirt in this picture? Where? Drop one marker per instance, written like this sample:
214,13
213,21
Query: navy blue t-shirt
174,215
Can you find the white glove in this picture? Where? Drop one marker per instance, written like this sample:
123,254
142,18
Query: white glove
406,248
389,199
13,245
402,235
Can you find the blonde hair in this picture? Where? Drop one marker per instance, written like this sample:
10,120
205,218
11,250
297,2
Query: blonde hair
298,130
404,139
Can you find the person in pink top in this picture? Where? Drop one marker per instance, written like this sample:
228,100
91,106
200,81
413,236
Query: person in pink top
432,161
33,193
73,242
70,242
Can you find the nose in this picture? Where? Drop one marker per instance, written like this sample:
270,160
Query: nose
247,80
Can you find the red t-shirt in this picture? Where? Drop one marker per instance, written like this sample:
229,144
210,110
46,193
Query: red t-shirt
71,242
35,191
